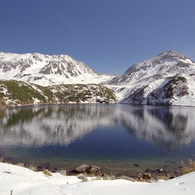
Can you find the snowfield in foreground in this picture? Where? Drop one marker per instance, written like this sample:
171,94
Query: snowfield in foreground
17,180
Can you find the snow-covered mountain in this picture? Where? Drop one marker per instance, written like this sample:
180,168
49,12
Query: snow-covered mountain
166,79
47,70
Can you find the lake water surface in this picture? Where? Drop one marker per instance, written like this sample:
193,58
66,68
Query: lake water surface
112,136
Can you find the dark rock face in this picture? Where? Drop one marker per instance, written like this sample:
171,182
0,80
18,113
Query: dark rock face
173,87
137,96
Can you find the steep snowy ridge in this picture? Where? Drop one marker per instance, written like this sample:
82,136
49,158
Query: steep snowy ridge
47,70
166,79
168,63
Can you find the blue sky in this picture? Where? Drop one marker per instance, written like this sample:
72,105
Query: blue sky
107,35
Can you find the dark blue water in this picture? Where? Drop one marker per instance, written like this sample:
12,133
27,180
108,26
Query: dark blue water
114,137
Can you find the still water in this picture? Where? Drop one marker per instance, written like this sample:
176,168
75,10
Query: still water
114,137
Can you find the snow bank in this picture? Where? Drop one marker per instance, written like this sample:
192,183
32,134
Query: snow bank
21,181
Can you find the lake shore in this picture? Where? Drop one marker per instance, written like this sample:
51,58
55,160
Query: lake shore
135,173
131,141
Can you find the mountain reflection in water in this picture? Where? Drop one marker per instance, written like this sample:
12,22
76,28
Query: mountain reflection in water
166,127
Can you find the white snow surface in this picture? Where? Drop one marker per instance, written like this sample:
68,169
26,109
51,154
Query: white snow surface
47,70
20,181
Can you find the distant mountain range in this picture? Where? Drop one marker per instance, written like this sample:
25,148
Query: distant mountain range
166,79
47,70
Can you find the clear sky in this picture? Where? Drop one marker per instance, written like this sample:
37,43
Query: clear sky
107,35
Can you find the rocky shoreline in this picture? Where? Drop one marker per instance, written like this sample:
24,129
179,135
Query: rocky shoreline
83,171
148,175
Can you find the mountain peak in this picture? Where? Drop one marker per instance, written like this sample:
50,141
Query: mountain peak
169,53
165,64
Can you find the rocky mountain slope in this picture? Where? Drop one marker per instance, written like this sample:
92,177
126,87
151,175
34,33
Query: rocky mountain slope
17,93
47,70
166,79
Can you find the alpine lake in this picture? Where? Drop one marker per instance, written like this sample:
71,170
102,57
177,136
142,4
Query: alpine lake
119,138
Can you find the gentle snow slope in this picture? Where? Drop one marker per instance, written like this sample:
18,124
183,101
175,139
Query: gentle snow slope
21,181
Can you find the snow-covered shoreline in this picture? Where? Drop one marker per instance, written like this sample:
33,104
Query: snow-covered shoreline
17,180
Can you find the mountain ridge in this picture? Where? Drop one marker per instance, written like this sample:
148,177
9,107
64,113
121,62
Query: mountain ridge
168,59
47,69
165,79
